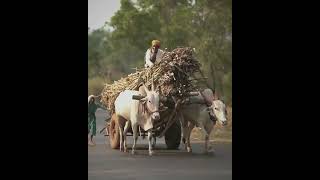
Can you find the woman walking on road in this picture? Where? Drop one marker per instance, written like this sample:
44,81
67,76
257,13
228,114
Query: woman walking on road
92,108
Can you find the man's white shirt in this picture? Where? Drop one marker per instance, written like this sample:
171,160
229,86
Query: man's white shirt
148,63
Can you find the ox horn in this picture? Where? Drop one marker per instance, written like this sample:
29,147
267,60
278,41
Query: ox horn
145,88
152,86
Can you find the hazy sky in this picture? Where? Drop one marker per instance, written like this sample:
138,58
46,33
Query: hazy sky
100,11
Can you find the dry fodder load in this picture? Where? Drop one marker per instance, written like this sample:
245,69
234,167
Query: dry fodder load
173,74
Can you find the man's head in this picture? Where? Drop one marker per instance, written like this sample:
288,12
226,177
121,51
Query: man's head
155,44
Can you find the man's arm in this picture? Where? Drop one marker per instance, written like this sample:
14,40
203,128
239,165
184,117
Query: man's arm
101,106
147,59
154,55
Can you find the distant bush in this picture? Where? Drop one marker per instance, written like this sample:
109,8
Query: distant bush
227,86
95,85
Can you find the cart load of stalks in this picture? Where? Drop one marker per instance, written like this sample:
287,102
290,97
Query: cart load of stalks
175,74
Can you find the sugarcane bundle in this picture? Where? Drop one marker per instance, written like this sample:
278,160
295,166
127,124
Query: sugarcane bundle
173,74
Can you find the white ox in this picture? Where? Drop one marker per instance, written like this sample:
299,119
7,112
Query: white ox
139,112
199,114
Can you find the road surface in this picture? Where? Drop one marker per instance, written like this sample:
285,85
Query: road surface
107,164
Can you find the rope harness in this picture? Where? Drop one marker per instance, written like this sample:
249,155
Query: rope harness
145,109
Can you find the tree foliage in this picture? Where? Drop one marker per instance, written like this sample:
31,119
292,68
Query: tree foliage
205,25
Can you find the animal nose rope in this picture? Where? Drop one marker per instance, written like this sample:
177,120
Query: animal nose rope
151,112
212,118
145,108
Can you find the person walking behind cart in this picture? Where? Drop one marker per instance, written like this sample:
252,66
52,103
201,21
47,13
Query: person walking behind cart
92,108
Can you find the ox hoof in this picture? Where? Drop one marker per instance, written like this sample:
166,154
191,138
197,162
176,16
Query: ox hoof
151,153
90,143
133,152
189,149
125,150
210,151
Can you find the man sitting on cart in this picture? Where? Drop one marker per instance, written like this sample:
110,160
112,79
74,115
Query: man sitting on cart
92,108
153,54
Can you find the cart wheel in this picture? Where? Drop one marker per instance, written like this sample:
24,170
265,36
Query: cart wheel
114,134
173,136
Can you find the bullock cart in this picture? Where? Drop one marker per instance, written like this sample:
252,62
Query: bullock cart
176,81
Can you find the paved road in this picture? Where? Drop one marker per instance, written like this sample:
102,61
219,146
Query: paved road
108,164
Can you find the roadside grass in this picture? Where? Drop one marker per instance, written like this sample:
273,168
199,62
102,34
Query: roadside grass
95,85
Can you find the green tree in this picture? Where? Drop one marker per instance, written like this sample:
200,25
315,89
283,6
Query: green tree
205,25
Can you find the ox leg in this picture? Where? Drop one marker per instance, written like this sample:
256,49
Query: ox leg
206,143
150,136
154,141
190,127
184,125
184,129
184,137
121,138
126,128
208,128
135,137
